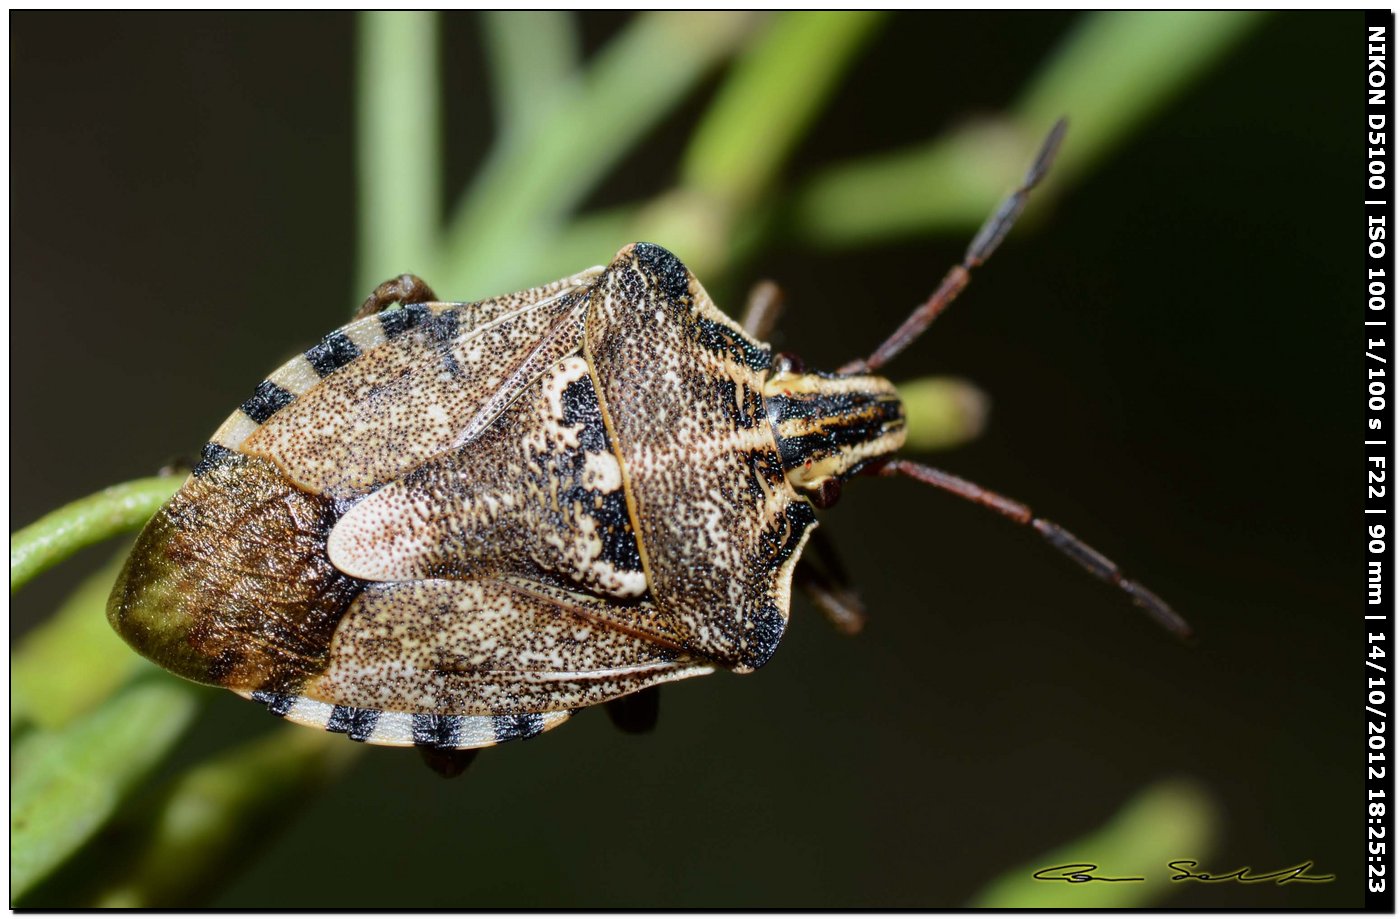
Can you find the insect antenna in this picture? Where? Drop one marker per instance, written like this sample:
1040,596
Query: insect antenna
991,234
1089,558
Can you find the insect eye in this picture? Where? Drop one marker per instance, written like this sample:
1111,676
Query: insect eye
787,362
827,493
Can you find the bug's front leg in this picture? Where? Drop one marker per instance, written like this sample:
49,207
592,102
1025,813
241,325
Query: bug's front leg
406,288
761,312
635,713
825,582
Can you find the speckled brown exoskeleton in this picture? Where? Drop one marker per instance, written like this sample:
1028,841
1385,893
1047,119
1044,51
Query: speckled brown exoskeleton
454,524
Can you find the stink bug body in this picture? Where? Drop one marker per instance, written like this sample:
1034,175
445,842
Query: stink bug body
454,524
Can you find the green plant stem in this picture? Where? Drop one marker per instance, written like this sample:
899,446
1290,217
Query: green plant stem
949,184
735,159
66,784
400,168
209,820
1167,820
942,412
527,187
71,662
769,100
1112,71
534,58
1117,69
57,535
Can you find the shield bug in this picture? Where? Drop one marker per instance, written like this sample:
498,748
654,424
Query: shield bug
450,525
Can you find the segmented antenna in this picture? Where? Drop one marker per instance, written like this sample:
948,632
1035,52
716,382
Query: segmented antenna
991,234
1089,558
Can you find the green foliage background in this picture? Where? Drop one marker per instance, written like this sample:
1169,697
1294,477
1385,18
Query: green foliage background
188,221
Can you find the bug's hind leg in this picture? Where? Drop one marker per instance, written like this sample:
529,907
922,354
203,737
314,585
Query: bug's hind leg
405,289
635,713
824,580
447,763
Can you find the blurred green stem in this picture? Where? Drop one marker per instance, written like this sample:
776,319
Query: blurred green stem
942,412
220,814
1112,72
735,159
57,535
66,784
526,189
400,146
69,663
768,101
533,57
1115,70
949,184
1170,819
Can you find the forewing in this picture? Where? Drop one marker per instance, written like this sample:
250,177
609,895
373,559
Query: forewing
681,390
383,395
486,647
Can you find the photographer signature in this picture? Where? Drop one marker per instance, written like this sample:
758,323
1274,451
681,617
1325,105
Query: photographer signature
1186,870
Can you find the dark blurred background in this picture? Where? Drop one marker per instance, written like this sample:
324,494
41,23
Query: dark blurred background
1171,354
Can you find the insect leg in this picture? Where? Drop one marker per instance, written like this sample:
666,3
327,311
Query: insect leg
765,305
406,288
445,762
824,580
991,234
841,607
635,713
180,464
1089,558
